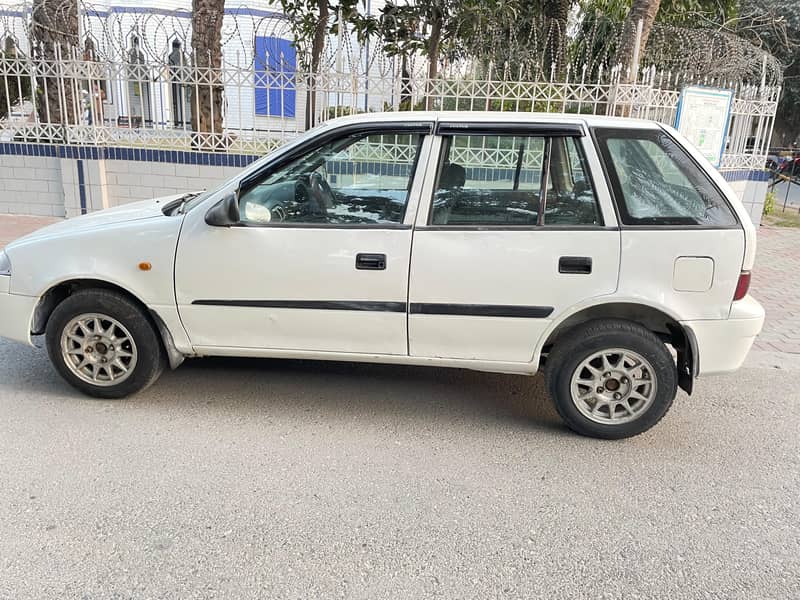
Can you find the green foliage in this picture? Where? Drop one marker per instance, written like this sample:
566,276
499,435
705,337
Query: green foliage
512,35
769,203
698,13
401,28
683,13
303,16
614,10
397,27
341,111
433,28
596,43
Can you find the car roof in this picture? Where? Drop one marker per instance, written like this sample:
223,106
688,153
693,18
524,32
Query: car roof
495,117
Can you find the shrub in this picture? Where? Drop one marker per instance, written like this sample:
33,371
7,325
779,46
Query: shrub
769,203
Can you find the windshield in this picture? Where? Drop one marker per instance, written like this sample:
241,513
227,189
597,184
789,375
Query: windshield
256,165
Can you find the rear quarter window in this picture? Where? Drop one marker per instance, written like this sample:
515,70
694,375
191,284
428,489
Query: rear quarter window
655,182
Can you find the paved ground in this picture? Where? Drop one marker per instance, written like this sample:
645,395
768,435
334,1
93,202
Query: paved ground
276,479
776,284
14,226
296,480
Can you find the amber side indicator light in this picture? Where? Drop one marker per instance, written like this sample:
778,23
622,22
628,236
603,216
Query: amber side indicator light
742,286
145,266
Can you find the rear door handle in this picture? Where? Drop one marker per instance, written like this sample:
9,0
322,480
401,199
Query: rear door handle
575,265
371,262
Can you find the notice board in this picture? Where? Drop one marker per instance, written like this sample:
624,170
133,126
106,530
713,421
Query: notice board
703,117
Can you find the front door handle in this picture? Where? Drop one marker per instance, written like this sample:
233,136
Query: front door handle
575,265
371,262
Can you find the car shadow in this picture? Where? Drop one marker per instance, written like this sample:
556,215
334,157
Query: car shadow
362,388
335,389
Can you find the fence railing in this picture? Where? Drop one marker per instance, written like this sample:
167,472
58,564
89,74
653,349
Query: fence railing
105,103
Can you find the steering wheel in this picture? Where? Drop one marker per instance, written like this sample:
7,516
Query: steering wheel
322,192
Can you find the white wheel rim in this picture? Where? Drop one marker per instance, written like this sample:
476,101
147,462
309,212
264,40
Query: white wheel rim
98,349
613,386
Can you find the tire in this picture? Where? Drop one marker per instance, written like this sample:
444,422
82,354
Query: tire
128,356
598,397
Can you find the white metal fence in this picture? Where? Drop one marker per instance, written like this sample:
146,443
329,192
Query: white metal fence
152,106
134,84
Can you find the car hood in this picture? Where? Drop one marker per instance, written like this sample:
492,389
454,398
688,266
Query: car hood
134,211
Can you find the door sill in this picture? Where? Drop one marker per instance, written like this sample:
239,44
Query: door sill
522,368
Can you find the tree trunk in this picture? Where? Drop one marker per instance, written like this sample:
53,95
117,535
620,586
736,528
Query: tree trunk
556,13
317,46
54,33
406,97
434,43
644,11
207,47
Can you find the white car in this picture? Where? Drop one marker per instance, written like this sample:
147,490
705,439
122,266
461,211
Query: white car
608,250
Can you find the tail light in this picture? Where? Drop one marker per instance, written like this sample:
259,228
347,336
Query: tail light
742,286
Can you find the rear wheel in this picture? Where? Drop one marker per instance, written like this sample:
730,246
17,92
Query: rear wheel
611,379
103,344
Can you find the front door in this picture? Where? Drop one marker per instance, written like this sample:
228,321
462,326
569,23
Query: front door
511,234
320,260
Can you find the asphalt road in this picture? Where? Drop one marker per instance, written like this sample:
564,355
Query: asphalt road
789,197
243,479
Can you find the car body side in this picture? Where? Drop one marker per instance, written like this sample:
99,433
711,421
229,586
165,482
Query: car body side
104,250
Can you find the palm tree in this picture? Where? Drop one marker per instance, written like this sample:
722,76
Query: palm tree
646,12
556,13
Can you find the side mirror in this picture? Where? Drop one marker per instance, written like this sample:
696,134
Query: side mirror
225,212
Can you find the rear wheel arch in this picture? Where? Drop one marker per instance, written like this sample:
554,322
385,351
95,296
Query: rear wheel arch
664,325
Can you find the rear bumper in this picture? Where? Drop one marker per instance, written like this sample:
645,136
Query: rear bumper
722,345
16,314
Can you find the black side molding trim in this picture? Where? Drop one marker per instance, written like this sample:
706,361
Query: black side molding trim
420,308
367,305
482,310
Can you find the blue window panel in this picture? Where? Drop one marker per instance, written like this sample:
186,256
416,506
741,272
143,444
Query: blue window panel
275,68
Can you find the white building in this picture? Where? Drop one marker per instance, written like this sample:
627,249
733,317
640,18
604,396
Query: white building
141,42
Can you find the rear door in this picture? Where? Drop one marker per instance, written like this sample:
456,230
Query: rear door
682,242
512,230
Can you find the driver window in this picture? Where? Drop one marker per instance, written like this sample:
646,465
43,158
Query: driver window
360,179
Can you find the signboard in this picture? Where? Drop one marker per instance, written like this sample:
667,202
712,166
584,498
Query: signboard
703,117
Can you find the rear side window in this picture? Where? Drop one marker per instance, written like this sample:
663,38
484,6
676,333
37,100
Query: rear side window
656,183
502,180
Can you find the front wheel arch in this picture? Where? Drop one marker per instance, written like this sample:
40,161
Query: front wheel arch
61,291
103,344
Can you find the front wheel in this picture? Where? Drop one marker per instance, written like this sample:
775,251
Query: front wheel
103,344
611,379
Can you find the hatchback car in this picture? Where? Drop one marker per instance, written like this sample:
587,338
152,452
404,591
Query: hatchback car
608,251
